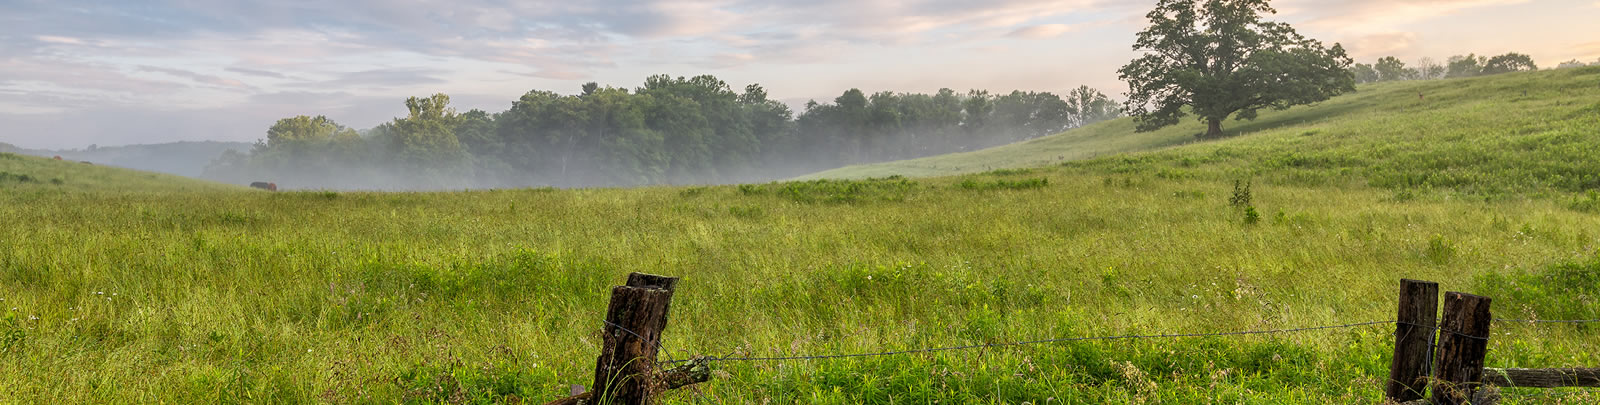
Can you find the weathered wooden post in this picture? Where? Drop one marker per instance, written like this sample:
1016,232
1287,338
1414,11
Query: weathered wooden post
625,371
1413,340
1463,341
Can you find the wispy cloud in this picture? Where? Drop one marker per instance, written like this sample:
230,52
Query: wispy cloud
196,77
1041,31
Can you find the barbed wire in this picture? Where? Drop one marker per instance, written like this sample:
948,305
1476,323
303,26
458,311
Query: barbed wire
659,346
1039,341
1503,320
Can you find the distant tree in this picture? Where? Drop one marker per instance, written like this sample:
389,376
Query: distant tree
1510,62
1429,69
425,140
1220,59
1364,73
1087,106
1390,69
1571,64
1465,66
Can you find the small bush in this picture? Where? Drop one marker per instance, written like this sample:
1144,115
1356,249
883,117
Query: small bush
751,189
693,191
1251,217
1589,202
1241,194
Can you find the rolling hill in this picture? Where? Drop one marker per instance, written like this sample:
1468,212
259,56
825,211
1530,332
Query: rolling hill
187,158
1496,133
1309,218
24,173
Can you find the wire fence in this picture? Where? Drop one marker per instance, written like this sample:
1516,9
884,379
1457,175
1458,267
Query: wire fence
1109,337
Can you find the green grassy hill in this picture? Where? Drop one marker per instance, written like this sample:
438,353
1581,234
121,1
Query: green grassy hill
1494,133
108,294
186,158
31,174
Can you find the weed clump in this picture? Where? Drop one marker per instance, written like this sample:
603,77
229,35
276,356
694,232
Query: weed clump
1004,184
1589,202
20,178
1439,250
1009,172
892,188
1241,194
1567,290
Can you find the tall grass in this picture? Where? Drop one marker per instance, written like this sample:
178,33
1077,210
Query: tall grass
117,287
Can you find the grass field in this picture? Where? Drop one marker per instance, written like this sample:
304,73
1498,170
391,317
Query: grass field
118,287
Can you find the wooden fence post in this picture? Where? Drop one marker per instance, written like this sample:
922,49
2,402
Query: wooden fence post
1463,341
625,371
1413,340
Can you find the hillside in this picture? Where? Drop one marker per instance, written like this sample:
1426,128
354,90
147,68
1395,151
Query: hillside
498,295
1495,125
187,159
23,173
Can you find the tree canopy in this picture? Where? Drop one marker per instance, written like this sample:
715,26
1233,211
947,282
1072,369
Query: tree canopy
671,130
1218,58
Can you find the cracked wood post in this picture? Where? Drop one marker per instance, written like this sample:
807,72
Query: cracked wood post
1463,341
624,372
1413,340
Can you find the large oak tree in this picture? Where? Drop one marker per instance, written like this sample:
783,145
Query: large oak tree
1219,58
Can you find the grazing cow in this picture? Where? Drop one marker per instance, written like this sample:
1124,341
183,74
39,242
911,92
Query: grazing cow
265,185
58,157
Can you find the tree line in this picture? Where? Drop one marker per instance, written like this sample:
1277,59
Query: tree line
672,130
1390,68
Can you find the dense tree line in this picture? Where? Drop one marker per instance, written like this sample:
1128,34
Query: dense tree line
1390,68
669,131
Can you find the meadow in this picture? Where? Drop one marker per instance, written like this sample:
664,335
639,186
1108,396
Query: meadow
121,287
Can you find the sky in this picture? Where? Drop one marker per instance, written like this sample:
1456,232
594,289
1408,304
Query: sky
76,73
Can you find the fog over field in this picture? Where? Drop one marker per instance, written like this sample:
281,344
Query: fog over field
832,202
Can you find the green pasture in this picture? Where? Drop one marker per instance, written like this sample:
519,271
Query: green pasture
120,287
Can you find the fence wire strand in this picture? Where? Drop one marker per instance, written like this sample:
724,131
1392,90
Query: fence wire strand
1040,341
1503,320
1438,328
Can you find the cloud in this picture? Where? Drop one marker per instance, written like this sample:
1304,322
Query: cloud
1380,45
1041,31
196,77
59,40
257,72
1383,15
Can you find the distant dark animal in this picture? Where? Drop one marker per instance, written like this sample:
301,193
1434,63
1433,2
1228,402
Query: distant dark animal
58,157
265,185
86,162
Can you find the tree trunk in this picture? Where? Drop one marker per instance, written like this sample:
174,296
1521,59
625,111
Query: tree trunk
1213,128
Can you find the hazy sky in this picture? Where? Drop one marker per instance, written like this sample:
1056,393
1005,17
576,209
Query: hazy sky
74,73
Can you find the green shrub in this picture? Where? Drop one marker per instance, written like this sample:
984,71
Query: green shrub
1566,290
1439,250
1004,184
1588,202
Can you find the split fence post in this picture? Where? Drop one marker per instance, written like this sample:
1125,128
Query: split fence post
1463,341
1413,340
624,373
